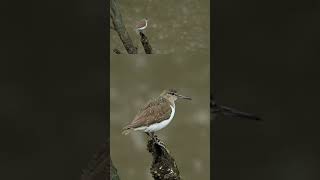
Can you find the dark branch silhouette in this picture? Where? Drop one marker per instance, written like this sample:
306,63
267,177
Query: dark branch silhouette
226,111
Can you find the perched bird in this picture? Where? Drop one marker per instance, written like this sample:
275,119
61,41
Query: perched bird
156,114
218,109
141,25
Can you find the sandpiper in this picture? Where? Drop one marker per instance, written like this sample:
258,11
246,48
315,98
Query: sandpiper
141,25
156,114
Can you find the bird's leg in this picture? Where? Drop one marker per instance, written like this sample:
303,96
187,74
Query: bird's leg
154,136
157,141
149,134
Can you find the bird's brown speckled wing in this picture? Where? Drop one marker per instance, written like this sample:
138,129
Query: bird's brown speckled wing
153,112
141,24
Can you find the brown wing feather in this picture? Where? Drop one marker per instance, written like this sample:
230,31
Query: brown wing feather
153,112
140,24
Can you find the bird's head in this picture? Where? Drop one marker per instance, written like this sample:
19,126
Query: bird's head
172,95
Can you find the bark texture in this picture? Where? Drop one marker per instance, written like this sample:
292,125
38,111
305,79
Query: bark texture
145,43
163,165
120,28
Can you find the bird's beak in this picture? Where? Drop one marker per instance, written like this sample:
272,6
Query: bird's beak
183,97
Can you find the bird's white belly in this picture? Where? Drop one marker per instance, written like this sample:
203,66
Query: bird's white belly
143,27
158,126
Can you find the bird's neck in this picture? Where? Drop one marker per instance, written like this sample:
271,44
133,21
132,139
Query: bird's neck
171,101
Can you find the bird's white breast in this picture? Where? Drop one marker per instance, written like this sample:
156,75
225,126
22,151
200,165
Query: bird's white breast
143,27
160,125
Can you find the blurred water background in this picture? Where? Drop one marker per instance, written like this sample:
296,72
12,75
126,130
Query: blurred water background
174,26
135,80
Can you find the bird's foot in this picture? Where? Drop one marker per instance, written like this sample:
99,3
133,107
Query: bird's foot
149,135
152,136
155,137
159,143
156,140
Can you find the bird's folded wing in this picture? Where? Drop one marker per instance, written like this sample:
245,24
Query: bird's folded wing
153,112
140,24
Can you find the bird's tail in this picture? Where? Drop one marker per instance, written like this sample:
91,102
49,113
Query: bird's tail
126,131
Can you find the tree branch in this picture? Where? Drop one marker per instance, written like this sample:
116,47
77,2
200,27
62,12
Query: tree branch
120,28
145,43
163,166
227,111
